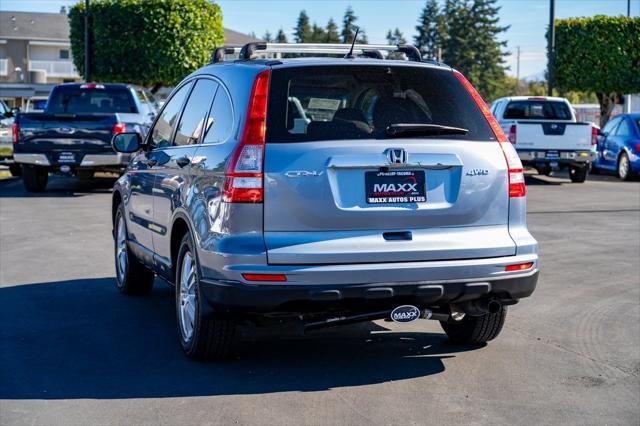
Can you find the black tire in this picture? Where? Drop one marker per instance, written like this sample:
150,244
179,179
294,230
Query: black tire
211,337
546,171
134,278
578,174
34,178
475,329
624,167
15,169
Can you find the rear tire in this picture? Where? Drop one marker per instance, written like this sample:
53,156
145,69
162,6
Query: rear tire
34,178
476,329
15,169
132,277
624,167
201,338
578,174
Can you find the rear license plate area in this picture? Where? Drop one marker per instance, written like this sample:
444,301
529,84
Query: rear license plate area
66,157
552,154
395,186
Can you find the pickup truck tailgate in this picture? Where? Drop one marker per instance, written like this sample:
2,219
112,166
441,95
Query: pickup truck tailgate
553,136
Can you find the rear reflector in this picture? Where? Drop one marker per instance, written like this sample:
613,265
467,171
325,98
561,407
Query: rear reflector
244,178
491,120
15,131
119,128
265,277
518,267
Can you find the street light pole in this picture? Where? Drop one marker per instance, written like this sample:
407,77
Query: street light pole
627,100
87,42
551,47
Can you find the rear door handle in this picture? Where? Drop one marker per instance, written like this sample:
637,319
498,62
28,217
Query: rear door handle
397,236
183,161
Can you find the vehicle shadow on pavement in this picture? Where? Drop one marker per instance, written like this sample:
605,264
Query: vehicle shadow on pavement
82,339
58,187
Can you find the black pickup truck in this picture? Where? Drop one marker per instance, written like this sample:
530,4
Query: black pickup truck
73,135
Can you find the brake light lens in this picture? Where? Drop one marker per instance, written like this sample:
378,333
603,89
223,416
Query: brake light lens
594,136
518,267
119,128
91,86
244,179
15,131
512,134
265,277
491,120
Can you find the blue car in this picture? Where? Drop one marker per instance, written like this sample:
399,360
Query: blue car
619,146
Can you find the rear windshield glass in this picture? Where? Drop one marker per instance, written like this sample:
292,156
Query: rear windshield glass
360,102
74,100
543,110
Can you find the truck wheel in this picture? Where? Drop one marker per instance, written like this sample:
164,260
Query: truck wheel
578,174
34,178
15,169
132,277
475,329
624,167
200,337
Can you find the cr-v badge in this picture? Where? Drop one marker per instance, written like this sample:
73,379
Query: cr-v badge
302,173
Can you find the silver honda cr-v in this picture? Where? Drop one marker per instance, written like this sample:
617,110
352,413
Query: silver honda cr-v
324,191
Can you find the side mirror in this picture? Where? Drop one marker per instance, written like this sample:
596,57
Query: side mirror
126,142
601,133
13,112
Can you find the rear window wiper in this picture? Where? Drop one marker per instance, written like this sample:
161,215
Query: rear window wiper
401,129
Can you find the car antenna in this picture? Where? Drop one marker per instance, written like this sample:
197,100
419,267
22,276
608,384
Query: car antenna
353,42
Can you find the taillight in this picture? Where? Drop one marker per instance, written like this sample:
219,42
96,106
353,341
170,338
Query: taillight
244,175
638,148
493,123
594,135
514,165
512,134
119,128
15,131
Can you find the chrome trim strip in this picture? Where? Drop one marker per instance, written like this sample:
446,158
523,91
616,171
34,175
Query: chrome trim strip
37,159
118,159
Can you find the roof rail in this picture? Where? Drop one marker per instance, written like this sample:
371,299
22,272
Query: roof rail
248,51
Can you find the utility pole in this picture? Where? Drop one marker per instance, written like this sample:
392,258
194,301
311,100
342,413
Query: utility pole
551,47
87,43
627,100
518,71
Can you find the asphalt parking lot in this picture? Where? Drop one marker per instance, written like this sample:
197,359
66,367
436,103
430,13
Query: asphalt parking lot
74,351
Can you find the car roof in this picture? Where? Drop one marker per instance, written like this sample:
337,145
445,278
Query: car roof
533,98
106,85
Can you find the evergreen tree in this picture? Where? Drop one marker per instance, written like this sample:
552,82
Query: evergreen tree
267,37
430,30
302,33
331,34
349,28
317,34
396,37
281,37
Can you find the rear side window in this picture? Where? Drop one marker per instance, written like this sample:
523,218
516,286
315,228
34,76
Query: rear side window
75,100
542,110
220,121
192,121
360,102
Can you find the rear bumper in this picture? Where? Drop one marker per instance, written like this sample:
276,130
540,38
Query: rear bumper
567,157
225,296
88,160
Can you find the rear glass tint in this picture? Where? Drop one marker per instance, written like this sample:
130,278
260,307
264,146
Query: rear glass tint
74,100
543,110
359,102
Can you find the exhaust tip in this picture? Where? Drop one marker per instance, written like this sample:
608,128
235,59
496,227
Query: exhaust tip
494,306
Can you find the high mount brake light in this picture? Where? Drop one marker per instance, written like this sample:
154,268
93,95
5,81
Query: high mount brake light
244,175
514,165
91,86
119,128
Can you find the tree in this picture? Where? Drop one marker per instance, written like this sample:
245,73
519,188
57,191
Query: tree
599,54
349,28
331,33
154,43
302,32
396,37
470,43
268,37
430,30
281,36
317,34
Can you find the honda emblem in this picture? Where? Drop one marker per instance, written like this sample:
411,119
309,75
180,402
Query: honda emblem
397,155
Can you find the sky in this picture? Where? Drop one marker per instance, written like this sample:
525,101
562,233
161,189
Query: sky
527,19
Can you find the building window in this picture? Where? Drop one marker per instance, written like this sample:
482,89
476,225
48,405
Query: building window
64,53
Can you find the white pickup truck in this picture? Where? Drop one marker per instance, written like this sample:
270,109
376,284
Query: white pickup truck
546,134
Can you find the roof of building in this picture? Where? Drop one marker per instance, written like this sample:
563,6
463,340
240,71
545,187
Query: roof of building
55,27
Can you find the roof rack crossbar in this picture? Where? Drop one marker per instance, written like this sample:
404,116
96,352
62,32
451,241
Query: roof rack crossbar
368,50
